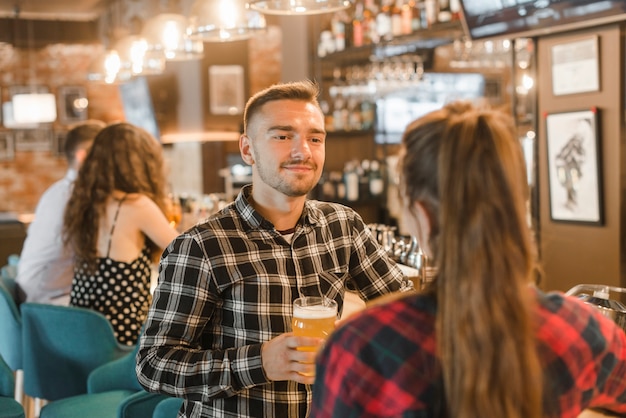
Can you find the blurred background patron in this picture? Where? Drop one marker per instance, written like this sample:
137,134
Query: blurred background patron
116,224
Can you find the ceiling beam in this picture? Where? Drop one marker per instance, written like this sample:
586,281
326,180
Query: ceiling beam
24,33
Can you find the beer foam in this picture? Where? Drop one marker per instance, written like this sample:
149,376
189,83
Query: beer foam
314,312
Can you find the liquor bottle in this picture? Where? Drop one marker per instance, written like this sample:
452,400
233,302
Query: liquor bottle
370,33
383,21
396,18
338,29
455,9
444,15
406,17
358,25
418,15
377,184
431,9
351,180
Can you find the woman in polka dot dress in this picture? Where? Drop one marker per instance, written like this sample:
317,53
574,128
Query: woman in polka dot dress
116,222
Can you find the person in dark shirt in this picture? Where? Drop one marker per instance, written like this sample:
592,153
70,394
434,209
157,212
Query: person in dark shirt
218,332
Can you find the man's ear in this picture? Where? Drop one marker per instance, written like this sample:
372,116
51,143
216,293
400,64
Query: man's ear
80,156
245,148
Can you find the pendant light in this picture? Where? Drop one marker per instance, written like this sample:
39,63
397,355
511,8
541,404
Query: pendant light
299,7
136,59
167,33
106,68
224,21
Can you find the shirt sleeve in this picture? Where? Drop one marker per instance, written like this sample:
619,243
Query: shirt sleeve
172,358
610,368
373,272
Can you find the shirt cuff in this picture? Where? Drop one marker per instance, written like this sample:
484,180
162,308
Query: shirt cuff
249,366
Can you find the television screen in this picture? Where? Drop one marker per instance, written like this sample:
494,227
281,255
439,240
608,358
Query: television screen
138,107
521,18
395,110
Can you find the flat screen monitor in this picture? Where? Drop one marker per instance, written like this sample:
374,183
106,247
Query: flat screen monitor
137,104
524,18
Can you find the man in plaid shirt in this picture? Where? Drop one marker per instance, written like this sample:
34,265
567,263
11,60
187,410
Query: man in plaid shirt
218,333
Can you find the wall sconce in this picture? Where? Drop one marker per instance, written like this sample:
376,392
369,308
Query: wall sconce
299,7
224,21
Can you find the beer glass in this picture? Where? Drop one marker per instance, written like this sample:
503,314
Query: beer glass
313,317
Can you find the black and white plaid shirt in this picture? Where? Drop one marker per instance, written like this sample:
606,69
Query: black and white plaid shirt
227,285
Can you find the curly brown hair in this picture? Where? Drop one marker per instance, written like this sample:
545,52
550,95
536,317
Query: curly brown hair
123,157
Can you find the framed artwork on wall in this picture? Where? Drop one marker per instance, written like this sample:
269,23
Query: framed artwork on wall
574,166
39,139
226,87
575,67
72,103
7,148
58,146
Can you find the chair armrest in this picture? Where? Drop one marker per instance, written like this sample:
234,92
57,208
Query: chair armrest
115,375
140,404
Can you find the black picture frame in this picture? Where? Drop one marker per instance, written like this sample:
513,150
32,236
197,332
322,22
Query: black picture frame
72,104
574,166
7,146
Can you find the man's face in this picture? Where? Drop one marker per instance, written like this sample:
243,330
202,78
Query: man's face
285,144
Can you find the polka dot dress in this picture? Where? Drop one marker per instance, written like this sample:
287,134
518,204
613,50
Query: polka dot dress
121,291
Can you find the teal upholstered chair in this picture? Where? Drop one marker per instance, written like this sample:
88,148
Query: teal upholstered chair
62,345
9,407
112,387
113,392
167,408
11,333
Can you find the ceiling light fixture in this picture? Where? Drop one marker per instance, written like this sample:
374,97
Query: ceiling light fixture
136,59
224,21
167,33
299,7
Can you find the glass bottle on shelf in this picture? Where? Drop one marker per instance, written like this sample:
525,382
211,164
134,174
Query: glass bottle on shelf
396,18
431,9
376,182
406,17
444,14
370,32
383,21
358,25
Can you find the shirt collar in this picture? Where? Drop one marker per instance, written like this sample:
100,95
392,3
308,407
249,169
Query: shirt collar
71,174
311,214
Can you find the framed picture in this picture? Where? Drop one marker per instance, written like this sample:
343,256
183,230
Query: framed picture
72,103
40,139
575,67
58,147
7,148
575,181
226,89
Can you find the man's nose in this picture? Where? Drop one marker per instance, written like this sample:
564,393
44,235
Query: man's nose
300,148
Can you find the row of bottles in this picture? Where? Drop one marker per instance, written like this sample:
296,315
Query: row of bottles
359,181
348,112
375,21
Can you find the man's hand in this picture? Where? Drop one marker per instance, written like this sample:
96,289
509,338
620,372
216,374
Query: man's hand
281,360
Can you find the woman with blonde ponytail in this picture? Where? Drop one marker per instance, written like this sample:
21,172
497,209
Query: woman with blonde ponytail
481,341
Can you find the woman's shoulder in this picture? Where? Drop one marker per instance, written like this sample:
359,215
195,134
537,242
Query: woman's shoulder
137,201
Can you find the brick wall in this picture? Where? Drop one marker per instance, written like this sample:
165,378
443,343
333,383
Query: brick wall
24,178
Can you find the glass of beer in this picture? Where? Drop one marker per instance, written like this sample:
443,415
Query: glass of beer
314,317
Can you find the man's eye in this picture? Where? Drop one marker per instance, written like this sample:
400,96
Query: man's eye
281,137
317,140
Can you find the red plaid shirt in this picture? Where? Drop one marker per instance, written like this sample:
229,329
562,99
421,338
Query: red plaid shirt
383,363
